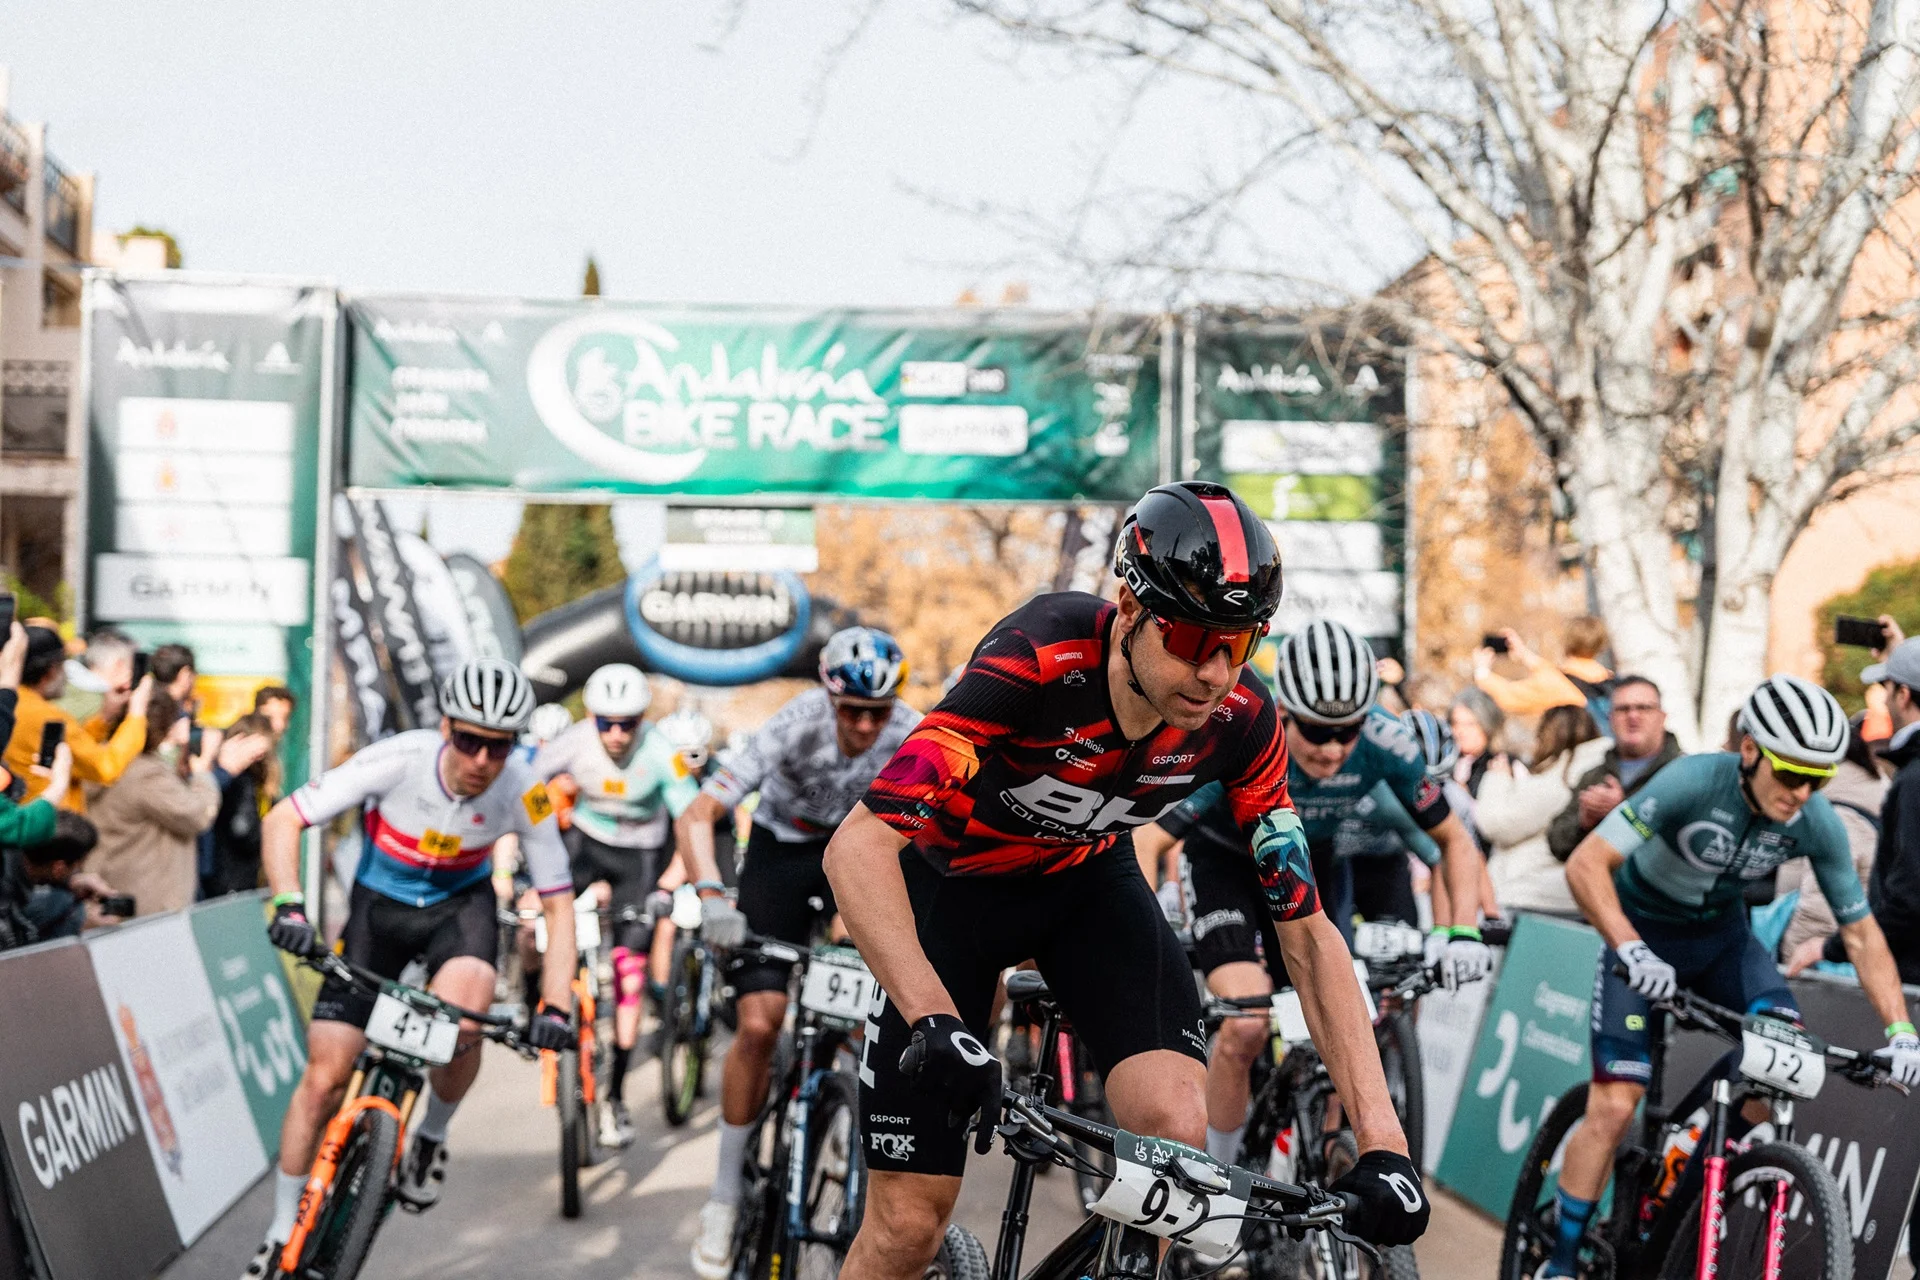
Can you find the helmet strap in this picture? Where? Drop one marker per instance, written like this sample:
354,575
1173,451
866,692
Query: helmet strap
1133,677
1746,782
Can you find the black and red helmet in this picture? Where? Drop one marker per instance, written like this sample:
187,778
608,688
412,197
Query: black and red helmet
1193,550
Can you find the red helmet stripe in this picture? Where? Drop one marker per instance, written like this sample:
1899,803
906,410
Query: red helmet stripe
1233,539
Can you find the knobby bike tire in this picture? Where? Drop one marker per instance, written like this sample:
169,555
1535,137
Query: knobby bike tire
1819,1236
755,1228
1094,1169
1529,1234
835,1179
573,1136
683,1052
961,1257
1399,1042
357,1201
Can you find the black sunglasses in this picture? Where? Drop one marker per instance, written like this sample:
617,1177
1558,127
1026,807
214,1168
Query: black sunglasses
630,724
1321,734
474,745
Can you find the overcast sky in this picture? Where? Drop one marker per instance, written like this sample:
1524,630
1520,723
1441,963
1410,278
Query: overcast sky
485,147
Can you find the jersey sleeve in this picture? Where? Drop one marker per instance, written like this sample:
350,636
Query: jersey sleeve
1183,816
1259,785
367,775
741,774
1832,859
1403,769
1389,812
679,786
998,692
1680,788
540,843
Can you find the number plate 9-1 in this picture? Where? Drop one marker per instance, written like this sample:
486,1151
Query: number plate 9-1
838,986
1143,1195
1775,1054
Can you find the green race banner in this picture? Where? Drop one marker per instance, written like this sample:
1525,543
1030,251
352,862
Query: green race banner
584,396
1533,1048
256,1009
1307,429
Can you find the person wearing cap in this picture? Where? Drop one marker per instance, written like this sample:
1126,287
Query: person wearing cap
1893,888
42,681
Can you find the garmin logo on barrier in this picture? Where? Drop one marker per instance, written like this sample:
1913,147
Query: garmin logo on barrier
615,389
718,611
75,1124
206,356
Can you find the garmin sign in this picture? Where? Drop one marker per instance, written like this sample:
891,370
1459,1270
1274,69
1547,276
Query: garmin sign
717,628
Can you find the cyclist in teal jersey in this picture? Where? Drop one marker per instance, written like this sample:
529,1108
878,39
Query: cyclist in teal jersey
1661,878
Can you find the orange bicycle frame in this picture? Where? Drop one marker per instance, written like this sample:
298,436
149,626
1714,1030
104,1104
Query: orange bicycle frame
550,1061
326,1163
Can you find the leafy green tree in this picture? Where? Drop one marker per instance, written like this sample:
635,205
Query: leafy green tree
1891,589
562,551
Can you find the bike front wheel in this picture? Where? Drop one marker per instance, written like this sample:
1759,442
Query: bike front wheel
1762,1181
356,1203
1531,1220
1399,1043
575,1140
683,1032
961,1257
835,1180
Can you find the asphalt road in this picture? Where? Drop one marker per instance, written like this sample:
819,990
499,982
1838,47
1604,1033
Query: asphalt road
500,1215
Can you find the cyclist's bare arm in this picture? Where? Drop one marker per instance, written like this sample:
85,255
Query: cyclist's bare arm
1464,869
1151,845
280,847
1879,974
556,970
1322,971
863,865
1590,870
693,830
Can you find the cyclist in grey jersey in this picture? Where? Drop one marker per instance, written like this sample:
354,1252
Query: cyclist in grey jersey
1661,877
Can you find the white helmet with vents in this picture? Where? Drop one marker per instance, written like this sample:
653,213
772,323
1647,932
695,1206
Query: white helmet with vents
488,694
1324,674
617,690
1797,720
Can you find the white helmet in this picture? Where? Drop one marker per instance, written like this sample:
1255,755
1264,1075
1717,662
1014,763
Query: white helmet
1796,719
488,694
689,733
616,690
1324,674
548,721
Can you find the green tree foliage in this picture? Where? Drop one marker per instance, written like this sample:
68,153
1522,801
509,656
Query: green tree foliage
1891,589
590,287
562,552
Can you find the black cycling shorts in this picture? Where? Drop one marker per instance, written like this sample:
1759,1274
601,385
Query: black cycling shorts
1099,938
1383,887
386,936
778,881
631,873
1231,923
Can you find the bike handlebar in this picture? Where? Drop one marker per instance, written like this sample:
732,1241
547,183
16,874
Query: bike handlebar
501,1030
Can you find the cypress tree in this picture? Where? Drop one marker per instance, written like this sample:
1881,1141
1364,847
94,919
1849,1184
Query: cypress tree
561,552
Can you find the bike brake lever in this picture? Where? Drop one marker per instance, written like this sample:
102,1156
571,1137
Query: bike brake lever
1345,1237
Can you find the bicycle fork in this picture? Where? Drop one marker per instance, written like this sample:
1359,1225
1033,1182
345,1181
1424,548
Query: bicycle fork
1712,1210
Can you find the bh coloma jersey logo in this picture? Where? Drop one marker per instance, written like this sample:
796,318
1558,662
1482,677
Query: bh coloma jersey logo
617,390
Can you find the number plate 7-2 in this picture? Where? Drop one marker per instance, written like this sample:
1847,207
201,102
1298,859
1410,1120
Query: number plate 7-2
1776,1055
1143,1195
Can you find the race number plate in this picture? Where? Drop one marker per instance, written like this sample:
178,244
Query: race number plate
398,1026
1386,941
838,986
1775,1054
1290,1024
1143,1195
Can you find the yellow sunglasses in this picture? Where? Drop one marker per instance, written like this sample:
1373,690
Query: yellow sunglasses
1797,775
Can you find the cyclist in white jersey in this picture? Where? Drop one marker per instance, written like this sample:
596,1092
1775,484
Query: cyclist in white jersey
432,804
810,763
629,780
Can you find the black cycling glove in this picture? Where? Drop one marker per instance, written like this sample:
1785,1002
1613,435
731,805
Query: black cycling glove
1393,1206
291,931
947,1060
550,1029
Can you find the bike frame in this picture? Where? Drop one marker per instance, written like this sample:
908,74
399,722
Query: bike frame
815,1042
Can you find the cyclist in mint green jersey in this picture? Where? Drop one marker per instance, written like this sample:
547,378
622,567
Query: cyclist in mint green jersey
1661,879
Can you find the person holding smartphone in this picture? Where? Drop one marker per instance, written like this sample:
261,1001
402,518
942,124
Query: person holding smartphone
42,681
151,819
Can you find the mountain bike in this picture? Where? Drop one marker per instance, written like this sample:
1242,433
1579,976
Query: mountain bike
350,1186
1160,1189
804,1181
688,1011
1727,1205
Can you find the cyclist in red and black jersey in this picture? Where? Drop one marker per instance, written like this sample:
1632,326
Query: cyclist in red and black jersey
1001,831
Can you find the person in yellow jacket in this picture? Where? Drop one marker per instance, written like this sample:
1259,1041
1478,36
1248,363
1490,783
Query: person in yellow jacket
1548,685
41,683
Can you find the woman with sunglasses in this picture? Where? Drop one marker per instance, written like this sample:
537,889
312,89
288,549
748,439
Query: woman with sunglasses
1661,878
628,782
432,803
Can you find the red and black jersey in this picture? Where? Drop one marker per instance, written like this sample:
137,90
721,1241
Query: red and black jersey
1022,768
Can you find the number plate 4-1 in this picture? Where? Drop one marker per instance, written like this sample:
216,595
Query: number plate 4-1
396,1025
837,988
1773,1053
1143,1195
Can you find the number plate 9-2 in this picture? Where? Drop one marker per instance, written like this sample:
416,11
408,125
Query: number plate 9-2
1143,1195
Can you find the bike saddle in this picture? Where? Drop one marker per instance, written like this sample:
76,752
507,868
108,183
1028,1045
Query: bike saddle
1026,987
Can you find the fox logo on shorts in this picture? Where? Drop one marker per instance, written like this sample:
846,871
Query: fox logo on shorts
894,1146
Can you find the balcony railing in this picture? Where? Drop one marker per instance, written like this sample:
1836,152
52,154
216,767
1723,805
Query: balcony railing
63,208
16,163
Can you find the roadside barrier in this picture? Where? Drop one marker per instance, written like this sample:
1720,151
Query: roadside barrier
143,1073
1533,1047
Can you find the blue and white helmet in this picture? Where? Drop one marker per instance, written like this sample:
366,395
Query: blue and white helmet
862,662
1437,746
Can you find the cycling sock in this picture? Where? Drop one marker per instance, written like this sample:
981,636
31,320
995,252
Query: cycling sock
433,1124
733,1152
617,1086
1224,1144
1573,1216
286,1204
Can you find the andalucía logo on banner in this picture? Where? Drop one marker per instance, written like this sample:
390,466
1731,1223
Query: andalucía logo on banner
618,390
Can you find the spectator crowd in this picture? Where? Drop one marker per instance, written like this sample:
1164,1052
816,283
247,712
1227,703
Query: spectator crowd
115,800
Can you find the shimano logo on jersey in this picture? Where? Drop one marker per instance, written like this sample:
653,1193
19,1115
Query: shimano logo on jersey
1207,923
